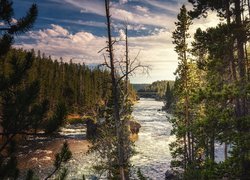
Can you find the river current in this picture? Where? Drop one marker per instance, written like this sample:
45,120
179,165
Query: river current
152,146
153,155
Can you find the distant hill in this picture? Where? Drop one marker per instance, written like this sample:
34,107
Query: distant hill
159,87
139,86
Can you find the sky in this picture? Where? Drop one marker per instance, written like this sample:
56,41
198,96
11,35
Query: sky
76,29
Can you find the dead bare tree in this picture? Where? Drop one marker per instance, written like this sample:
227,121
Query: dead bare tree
119,76
115,92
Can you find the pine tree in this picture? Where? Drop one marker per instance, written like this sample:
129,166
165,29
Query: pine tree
168,97
227,78
17,108
180,36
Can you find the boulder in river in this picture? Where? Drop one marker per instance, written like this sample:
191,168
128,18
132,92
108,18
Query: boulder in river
91,128
170,175
134,126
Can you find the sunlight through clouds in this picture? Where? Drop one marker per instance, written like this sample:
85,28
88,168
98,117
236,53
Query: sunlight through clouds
150,25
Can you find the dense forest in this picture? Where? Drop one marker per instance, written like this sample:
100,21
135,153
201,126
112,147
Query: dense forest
209,99
211,93
159,87
82,89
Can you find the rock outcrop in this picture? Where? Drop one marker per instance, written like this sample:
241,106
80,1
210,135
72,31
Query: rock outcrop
134,126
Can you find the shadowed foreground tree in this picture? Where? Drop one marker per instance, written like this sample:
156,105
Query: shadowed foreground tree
20,112
221,99
230,89
16,112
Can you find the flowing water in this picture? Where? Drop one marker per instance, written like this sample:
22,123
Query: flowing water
153,156
152,146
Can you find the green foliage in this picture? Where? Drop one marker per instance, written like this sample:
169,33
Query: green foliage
140,175
159,87
63,156
169,96
8,164
31,175
62,174
83,177
19,109
105,145
58,118
60,159
218,104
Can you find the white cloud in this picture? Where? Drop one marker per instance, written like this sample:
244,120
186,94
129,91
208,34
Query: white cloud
142,9
122,34
156,47
119,13
58,42
123,1
13,20
56,31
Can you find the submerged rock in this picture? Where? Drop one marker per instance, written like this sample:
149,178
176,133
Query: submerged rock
170,175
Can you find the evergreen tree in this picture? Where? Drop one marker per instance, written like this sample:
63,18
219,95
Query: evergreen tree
17,108
168,97
225,95
180,36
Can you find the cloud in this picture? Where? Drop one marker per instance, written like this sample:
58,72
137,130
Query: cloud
55,31
154,43
58,42
119,12
141,9
170,7
123,1
77,22
84,46
122,34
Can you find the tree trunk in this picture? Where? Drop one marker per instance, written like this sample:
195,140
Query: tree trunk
225,151
242,73
127,63
212,156
115,93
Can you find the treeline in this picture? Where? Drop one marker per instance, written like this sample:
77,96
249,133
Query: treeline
82,89
160,87
211,93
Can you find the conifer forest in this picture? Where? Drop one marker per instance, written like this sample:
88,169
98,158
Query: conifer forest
125,89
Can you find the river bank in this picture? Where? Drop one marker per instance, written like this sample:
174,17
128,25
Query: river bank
38,153
153,156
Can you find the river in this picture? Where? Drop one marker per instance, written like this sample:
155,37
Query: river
152,146
152,157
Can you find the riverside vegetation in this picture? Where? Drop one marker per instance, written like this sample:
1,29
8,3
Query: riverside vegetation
209,98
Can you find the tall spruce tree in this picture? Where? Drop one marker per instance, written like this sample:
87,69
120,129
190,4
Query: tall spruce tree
180,36
233,57
18,112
